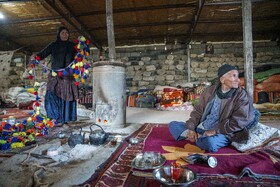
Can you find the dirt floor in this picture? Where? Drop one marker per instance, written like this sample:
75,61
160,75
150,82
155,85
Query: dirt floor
37,165
51,162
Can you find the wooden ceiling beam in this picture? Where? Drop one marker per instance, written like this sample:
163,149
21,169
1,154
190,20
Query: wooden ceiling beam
30,20
16,1
276,17
138,9
273,17
151,8
195,19
230,2
66,18
196,35
6,40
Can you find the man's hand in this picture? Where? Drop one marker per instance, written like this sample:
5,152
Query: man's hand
191,135
209,133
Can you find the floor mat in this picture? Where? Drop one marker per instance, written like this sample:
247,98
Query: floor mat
234,168
19,114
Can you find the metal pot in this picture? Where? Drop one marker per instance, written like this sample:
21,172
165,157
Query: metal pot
99,137
75,139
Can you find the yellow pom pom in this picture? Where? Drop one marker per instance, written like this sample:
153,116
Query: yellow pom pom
73,66
29,119
30,72
30,90
81,64
86,71
54,74
82,52
83,80
82,38
15,134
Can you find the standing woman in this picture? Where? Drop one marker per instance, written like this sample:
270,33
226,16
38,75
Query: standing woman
62,94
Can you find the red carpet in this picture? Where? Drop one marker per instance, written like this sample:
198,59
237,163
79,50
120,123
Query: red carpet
234,168
19,114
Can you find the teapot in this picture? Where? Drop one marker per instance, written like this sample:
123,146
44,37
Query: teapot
75,139
99,137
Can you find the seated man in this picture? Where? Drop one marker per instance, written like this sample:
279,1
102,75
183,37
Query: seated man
223,114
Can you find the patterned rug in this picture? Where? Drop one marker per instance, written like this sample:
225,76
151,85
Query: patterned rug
17,113
256,168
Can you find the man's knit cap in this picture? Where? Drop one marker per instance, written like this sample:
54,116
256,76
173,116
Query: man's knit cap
226,68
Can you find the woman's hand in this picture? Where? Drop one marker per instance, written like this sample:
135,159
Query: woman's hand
191,135
32,57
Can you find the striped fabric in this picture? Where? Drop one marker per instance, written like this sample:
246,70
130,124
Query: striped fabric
131,100
85,99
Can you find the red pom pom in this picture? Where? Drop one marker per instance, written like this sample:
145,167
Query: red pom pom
32,66
77,49
76,41
79,59
76,67
82,70
30,77
77,83
59,73
38,58
37,104
35,93
87,42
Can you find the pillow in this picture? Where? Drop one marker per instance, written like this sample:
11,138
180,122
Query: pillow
257,136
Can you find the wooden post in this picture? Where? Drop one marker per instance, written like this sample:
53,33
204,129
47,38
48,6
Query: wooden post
248,45
189,62
110,30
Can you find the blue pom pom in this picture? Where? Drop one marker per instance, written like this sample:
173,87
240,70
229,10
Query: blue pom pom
86,66
71,71
39,118
24,122
85,76
79,55
77,71
37,98
65,72
45,70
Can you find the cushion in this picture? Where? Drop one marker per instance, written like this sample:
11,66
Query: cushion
257,136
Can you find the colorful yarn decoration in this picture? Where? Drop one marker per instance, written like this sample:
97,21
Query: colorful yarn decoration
80,65
78,68
24,133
